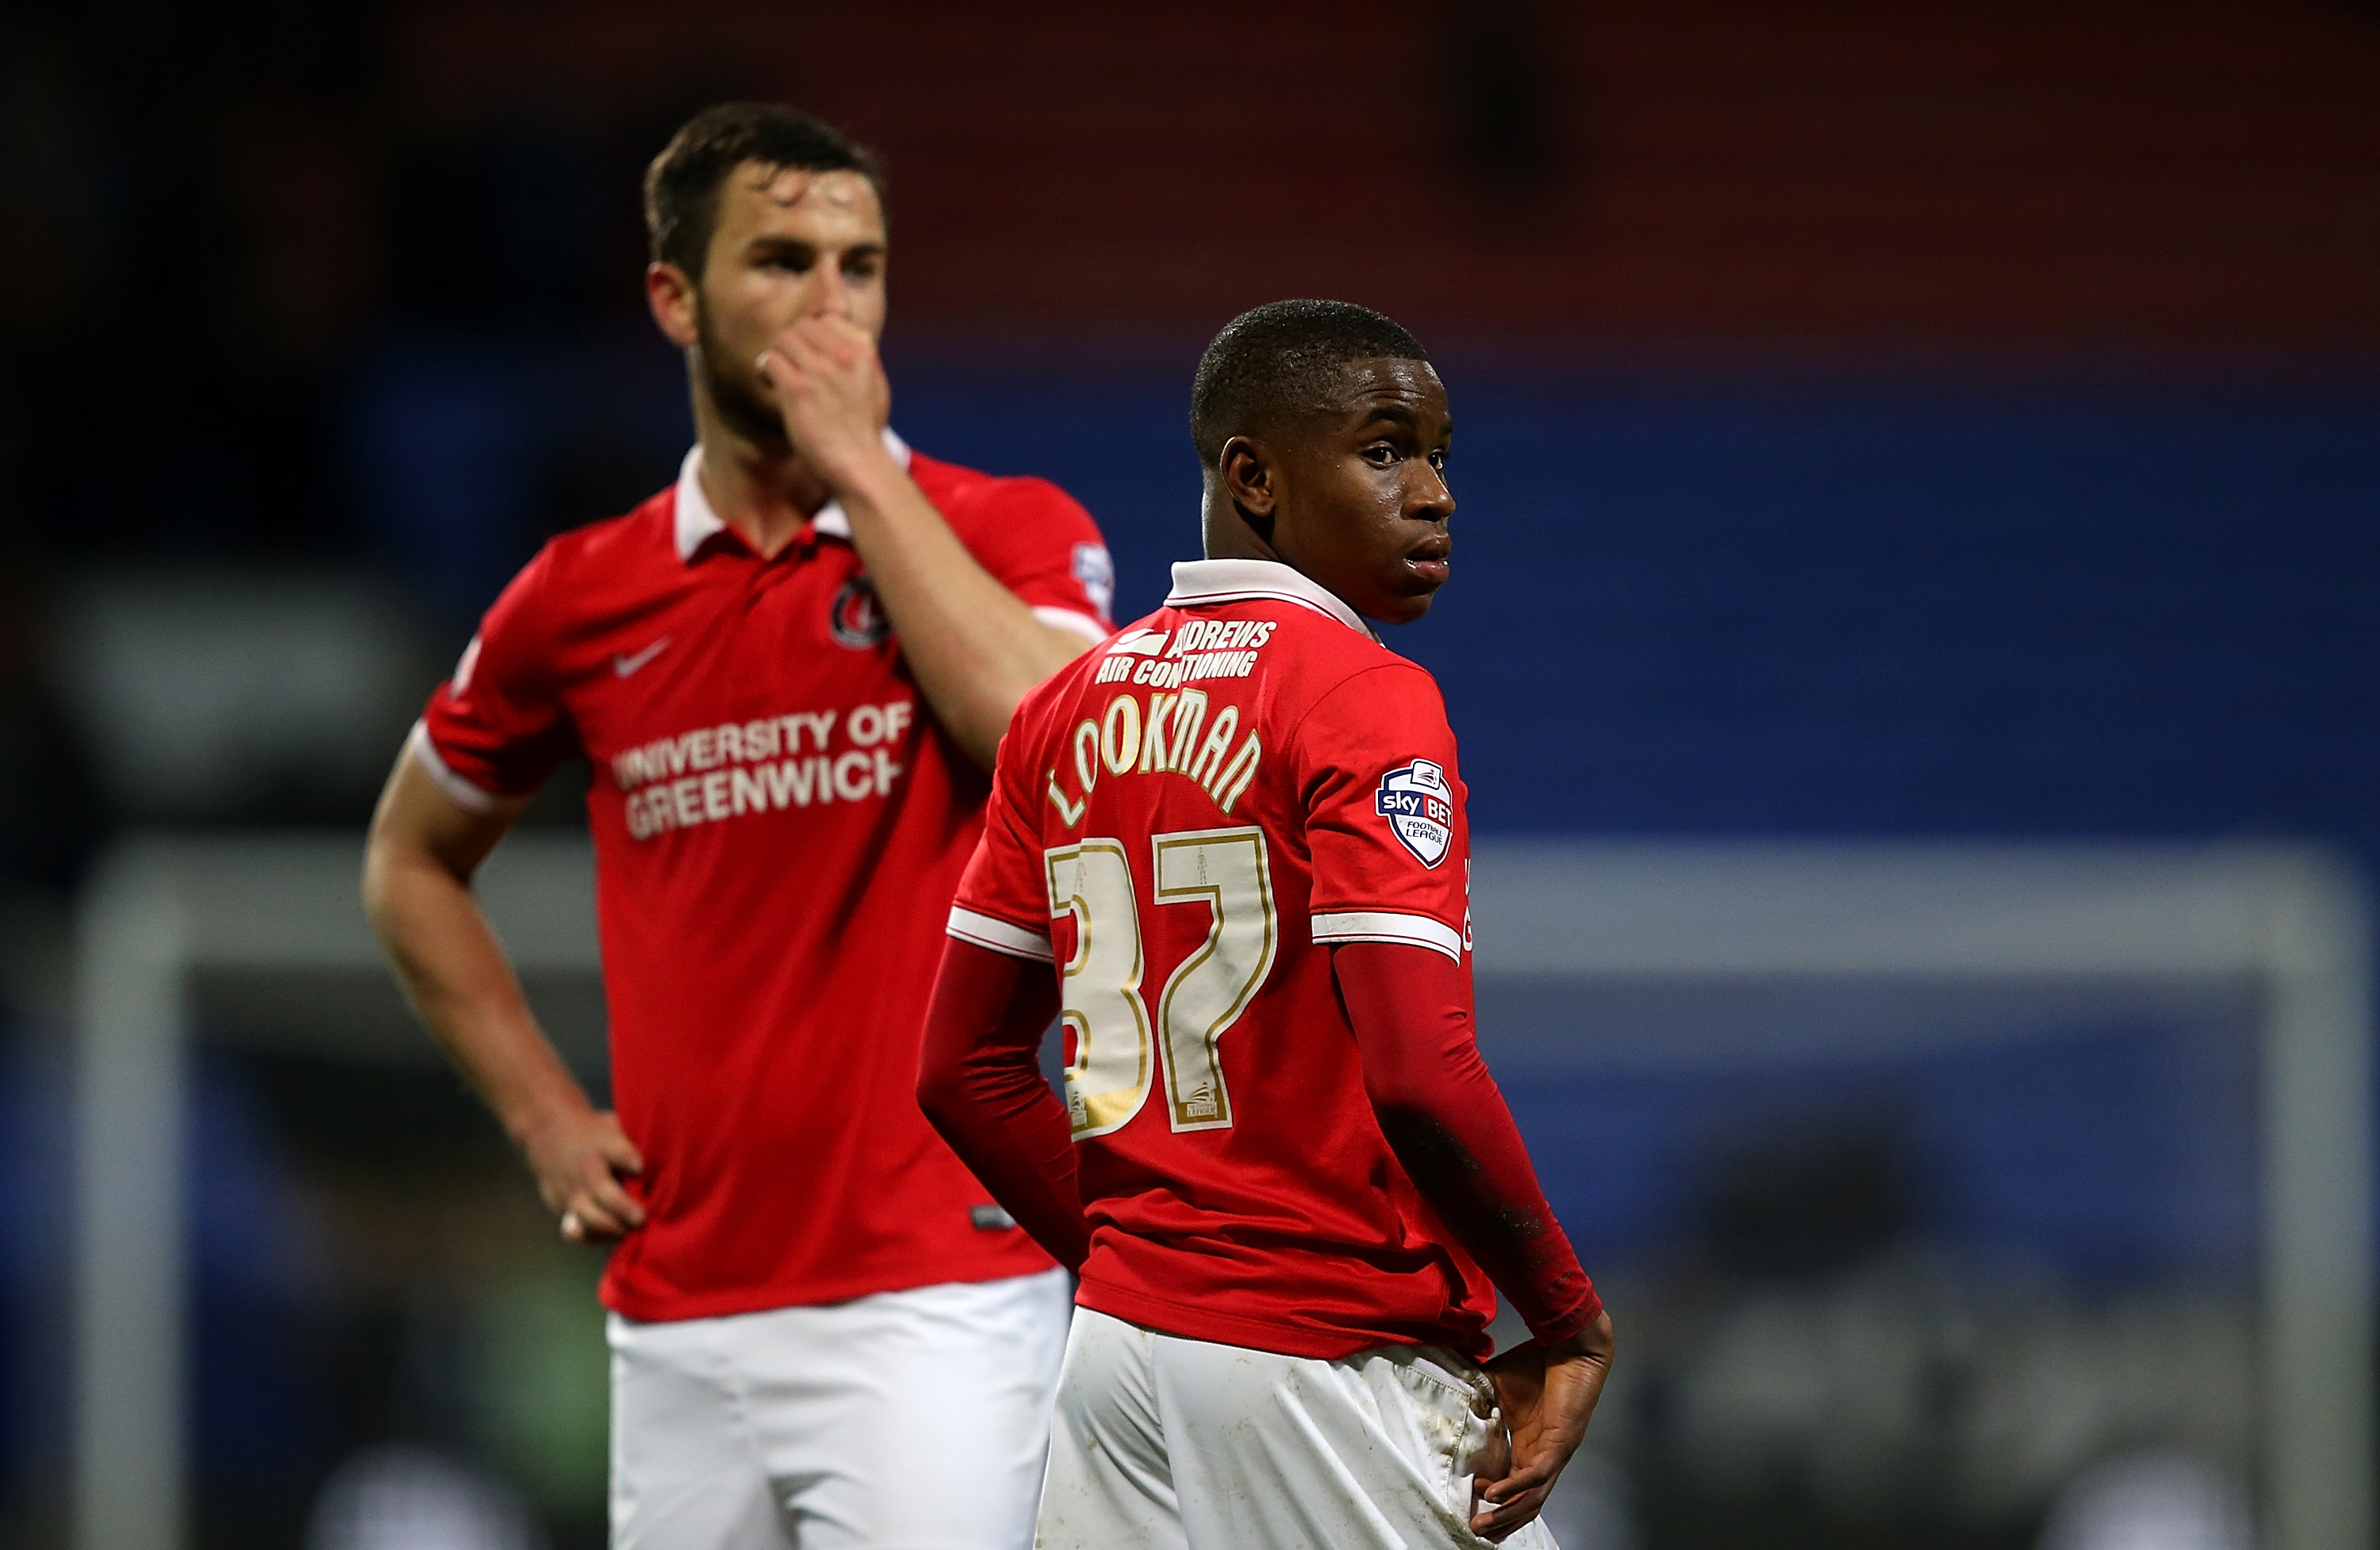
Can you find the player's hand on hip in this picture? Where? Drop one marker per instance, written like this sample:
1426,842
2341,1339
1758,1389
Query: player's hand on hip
579,1160
831,392
1547,1394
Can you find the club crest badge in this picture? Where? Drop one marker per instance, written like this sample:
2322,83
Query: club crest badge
1419,806
854,618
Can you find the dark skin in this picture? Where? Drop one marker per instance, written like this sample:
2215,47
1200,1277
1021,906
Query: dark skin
1354,495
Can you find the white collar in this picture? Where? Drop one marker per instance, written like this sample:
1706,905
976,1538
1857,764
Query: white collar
1229,581
696,520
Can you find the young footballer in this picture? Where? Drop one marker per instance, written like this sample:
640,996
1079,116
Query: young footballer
1235,831
789,671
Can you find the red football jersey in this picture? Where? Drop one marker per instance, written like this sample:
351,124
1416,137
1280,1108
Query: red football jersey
779,827
1184,821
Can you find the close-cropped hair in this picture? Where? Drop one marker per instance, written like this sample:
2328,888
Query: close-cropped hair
683,183
1281,360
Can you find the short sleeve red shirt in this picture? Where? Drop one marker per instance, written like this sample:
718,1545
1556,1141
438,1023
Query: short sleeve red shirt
779,826
1183,823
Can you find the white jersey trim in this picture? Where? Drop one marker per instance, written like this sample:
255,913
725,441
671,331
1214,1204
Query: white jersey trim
1230,581
1073,621
1382,925
697,519
989,931
461,793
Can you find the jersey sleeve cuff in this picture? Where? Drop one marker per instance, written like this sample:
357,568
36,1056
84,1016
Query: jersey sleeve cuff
1073,621
1554,1331
989,931
461,793
1383,925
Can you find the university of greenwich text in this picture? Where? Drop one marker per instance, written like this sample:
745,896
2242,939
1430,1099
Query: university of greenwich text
759,766
1172,735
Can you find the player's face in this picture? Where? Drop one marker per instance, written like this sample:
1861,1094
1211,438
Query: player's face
1361,501
788,245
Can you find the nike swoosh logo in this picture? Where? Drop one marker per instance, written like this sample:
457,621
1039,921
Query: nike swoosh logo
626,665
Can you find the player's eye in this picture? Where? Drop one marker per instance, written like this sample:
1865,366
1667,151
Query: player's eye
788,260
1438,459
1380,455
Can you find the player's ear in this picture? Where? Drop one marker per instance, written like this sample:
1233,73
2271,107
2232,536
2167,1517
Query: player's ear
1249,476
669,291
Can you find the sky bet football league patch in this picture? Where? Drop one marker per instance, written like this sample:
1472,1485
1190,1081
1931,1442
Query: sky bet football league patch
1095,572
1420,809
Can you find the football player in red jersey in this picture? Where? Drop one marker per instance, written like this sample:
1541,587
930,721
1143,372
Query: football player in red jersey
789,671
1228,848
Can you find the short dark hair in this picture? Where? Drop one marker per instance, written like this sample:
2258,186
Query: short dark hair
682,185
1283,358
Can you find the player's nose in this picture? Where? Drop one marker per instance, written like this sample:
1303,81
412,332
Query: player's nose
830,297
1427,496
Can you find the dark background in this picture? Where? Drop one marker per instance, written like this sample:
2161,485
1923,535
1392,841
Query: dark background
1879,420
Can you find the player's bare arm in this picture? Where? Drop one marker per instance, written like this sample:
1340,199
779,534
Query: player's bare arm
974,648
419,863
790,401
763,785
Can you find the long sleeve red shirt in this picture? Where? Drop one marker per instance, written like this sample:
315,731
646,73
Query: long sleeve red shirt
981,1084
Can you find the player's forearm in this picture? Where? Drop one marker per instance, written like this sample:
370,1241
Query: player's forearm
1448,1124
1500,1220
979,1084
455,974
976,648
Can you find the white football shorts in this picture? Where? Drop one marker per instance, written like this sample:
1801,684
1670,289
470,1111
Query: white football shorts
914,1420
1163,1443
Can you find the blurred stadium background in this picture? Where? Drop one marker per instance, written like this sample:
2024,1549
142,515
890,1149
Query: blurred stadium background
1879,423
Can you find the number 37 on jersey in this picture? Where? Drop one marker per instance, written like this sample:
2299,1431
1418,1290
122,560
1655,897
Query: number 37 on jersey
1122,1050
